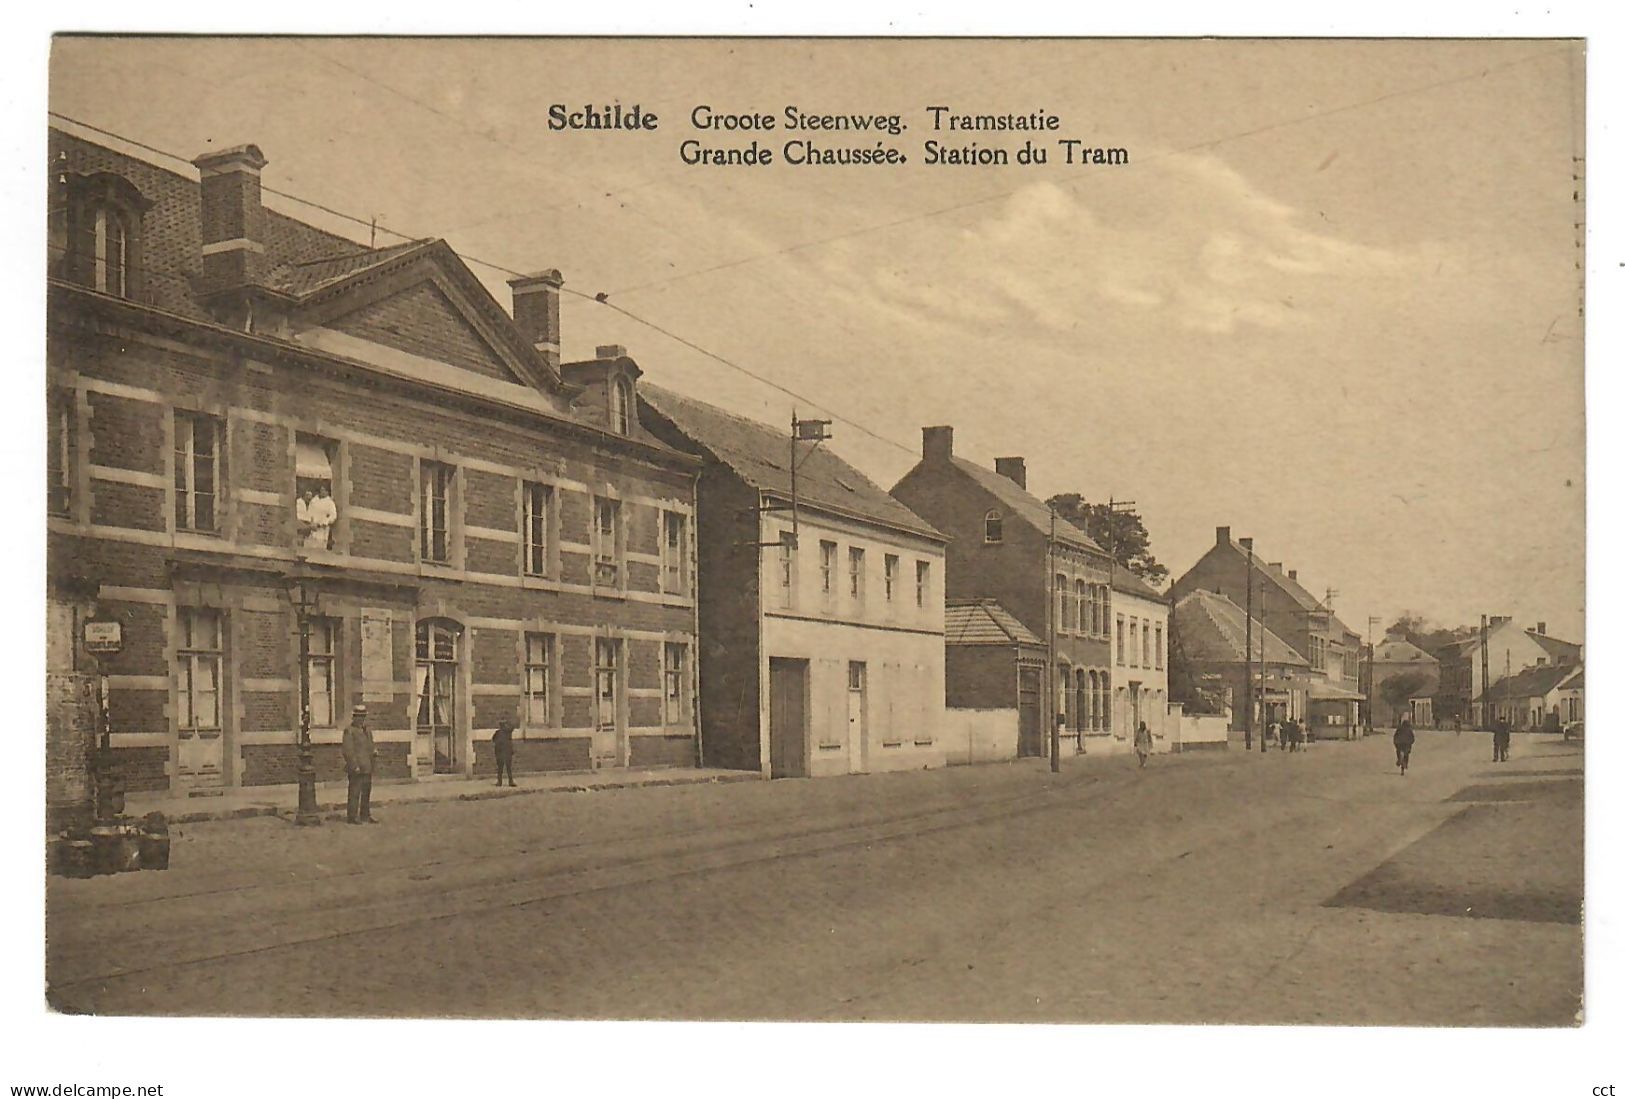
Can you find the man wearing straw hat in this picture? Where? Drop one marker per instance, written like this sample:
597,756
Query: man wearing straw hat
359,759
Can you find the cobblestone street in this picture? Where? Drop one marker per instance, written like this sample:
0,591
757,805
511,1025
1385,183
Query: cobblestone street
1319,887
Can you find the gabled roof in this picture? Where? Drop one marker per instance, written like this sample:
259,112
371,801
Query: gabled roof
1019,501
308,276
1212,628
312,269
1561,652
1397,650
1575,682
1130,584
760,455
984,622
1530,683
1300,594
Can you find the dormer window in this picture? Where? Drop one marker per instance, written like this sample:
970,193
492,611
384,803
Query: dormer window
96,242
620,406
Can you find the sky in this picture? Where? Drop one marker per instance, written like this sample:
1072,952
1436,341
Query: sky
1331,302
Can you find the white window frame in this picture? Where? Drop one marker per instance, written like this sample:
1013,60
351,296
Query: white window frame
829,556
190,658
188,464
321,666
607,565
892,566
432,505
856,566
922,582
538,685
674,556
674,682
534,494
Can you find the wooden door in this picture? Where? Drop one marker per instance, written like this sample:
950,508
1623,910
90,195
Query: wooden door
787,717
1029,711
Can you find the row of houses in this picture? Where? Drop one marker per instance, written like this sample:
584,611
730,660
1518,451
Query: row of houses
289,473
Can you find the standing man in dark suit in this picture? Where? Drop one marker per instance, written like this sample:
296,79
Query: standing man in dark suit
502,748
360,757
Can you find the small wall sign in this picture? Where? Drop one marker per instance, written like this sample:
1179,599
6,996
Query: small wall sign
103,636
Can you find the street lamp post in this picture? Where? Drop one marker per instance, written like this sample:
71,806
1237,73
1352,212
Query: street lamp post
307,812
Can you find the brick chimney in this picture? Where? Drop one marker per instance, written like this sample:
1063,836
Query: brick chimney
1276,565
536,311
610,351
1013,468
937,443
233,218
1292,574
1540,628
1221,535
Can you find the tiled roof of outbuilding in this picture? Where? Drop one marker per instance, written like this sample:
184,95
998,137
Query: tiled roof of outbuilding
760,454
984,622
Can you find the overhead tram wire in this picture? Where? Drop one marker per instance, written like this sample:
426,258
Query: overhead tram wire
602,299
599,299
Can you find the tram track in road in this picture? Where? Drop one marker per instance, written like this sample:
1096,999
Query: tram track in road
446,900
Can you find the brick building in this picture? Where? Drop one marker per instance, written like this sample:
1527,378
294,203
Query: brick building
995,668
821,627
1006,545
249,415
1306,624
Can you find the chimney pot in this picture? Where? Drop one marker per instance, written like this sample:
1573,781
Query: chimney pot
1292,574
938,443
1276,565
611,351
1013,468
233,217
536,312
1540,628
1221,535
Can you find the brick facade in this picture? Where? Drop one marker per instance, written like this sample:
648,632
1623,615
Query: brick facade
380,411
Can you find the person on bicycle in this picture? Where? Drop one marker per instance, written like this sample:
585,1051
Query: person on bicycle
1404,738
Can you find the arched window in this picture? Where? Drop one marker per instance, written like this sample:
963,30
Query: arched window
993,526
620,406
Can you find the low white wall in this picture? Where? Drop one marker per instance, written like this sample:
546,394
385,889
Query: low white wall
979,736
1193,731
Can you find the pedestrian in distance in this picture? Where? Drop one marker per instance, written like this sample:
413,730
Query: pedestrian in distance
1142,742
1273,733
360,759
502,748
1503,740
1404,739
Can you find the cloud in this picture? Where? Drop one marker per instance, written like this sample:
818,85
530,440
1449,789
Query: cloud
1187,241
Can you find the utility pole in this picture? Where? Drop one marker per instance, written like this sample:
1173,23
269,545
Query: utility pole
1263,665
1484,663
1370,685
1247,689
1055,596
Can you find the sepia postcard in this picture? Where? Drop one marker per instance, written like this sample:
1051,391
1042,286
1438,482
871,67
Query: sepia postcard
983,530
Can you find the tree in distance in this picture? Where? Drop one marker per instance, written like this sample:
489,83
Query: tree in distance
1119,532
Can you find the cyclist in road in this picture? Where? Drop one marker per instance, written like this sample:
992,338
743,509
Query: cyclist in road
1404,738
